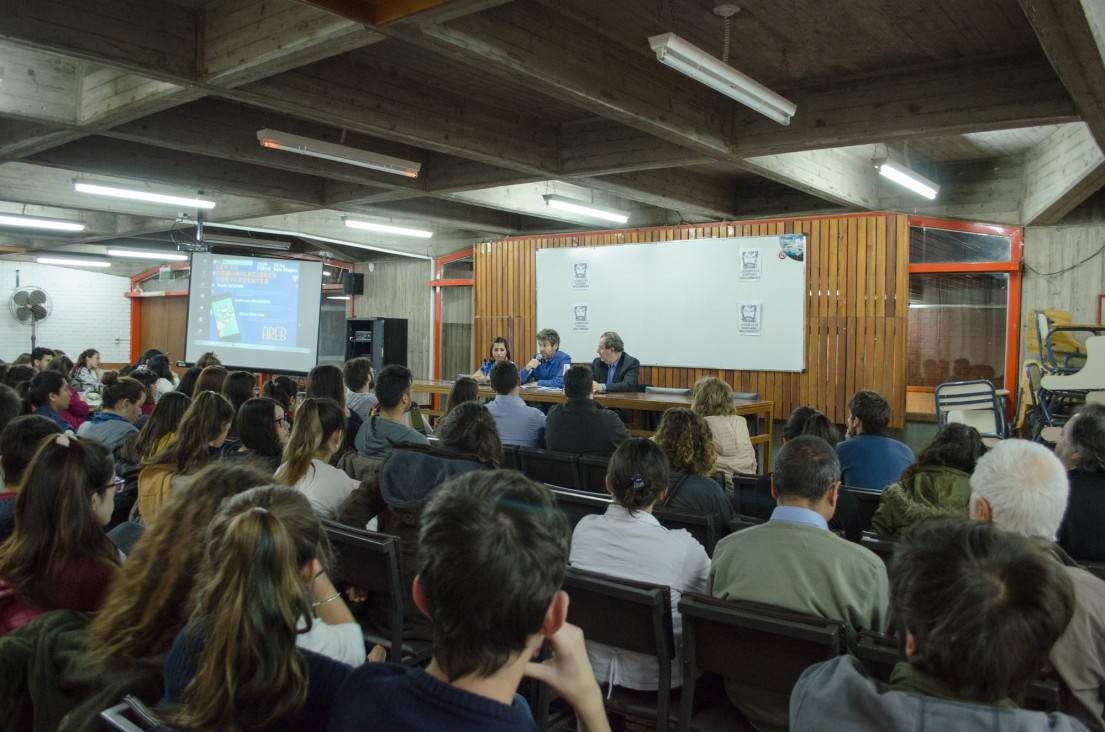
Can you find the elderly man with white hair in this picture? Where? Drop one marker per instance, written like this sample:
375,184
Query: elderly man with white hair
1022,488
1082,449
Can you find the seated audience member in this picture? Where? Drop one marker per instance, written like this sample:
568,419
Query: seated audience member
685,438
519,424
166,380
41,358
547,366
500,351
463,390
23,359
149,380
86,370
187,383
713,399
938,483
283,389
198,439
326,382
76,413
393,392
580,425
410,476
11,406
316,436
869,459
238,388
19,441
1022,488
502,533
236,665
17,375
977,609
794,562
359,382
211,378
58,556
46,395
263,430
614,369
113,425
157,429
627,541
1082,450
210,358
143,360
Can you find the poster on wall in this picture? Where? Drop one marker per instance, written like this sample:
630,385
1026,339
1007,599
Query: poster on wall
581,319
749,324
581,280
750,267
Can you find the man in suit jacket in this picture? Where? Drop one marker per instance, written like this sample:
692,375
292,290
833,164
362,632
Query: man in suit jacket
581,425
614,369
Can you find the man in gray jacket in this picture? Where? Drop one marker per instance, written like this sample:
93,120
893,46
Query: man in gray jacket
979,609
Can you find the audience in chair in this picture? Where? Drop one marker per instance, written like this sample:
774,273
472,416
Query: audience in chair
1082,450
393,391
977,610
628,542
1022,488
263,428
868,458
19,441
519,424
937,483
713,399
794,562
500,533
359,382
685,438
318,434
580,425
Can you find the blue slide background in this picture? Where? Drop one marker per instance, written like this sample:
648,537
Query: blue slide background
265,299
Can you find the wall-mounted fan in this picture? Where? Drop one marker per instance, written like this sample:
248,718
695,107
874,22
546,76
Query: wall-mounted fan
30,306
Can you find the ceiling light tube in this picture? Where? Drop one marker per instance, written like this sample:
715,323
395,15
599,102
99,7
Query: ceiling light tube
139,254
147,196
586,209
337,297
689,59
217,239
386,228
27,222
903,175
288,142
74,262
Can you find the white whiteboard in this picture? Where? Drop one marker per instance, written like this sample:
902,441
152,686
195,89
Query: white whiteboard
679,303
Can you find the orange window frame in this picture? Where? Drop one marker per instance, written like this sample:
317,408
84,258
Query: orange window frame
437,283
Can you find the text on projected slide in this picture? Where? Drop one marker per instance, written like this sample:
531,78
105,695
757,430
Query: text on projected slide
253,304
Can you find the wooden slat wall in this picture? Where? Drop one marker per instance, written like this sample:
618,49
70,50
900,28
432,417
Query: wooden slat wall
855,318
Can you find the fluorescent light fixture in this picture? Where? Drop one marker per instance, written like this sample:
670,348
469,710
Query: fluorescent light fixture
288,142
142,196
386,229
74,262
139,254
216,238
27,222
689,59
337,297
903,175
586,209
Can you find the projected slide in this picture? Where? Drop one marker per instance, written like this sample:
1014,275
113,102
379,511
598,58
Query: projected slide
256,313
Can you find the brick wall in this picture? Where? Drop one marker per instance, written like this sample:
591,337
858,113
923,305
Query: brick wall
88,311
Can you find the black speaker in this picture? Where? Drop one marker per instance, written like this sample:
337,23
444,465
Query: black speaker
352,284
381,340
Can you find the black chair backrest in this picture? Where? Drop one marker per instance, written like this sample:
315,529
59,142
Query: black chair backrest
510,457
760,645
702,526
743,522
130,715
577,504
879,544
549,466
592,470
868,500
634,616
370,561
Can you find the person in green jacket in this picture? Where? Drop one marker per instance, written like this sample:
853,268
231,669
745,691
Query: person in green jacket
937,483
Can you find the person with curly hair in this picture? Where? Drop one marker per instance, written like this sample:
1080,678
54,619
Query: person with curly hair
685,438
713,399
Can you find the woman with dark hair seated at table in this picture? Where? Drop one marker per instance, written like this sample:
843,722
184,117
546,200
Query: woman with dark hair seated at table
685,438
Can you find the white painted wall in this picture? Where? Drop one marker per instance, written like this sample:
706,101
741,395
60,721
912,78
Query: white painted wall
89,311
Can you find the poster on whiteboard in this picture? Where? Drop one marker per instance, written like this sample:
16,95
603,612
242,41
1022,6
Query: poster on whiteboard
750,265
749,313
581,322
580,280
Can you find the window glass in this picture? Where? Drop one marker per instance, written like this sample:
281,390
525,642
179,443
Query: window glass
932,246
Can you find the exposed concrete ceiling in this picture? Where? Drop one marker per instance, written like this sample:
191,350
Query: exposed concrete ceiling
503,102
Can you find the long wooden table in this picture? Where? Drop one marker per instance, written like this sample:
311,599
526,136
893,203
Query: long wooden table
762,428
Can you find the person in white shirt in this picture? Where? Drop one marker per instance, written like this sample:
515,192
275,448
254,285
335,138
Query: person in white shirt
628,542
316,436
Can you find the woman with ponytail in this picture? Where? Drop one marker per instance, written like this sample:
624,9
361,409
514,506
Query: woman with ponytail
46,395
113,425
197,440
628,542
59,557
317,434
237,664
